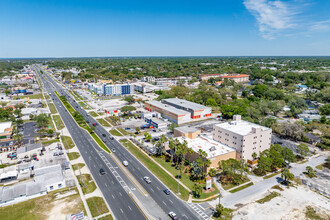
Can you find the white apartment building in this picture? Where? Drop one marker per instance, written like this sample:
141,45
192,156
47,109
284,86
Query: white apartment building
245,137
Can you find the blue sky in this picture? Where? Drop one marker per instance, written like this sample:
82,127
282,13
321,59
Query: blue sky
70,28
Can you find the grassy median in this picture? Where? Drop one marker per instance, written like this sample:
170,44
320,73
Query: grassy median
171,183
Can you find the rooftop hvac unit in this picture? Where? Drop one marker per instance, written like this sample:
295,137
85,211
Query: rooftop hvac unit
212,148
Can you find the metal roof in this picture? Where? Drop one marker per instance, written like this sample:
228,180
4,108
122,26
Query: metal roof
185,104
168,108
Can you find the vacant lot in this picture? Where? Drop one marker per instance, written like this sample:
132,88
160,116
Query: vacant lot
103,122
97,206
44,207
33,96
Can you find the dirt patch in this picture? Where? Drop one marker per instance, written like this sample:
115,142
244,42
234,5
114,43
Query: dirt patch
62,207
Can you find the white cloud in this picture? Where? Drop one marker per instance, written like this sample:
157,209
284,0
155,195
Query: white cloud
320,26
272,16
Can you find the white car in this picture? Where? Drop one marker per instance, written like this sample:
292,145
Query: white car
173,215
125,163
147,179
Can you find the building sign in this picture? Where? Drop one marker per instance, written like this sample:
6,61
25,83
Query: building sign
77,216
208,183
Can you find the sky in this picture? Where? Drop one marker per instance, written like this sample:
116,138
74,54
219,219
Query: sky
100,28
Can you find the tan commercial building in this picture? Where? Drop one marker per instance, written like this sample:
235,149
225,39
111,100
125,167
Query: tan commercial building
245,137
187,132
215,151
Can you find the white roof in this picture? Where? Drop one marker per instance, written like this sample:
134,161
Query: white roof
186,104
240,127
168,108
27,111
207,144
5,125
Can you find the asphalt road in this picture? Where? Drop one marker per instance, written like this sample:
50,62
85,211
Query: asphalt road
155,188
120,202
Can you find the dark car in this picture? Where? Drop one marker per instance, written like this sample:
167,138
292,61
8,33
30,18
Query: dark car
87,121
111,138
102,172
167,192
104,135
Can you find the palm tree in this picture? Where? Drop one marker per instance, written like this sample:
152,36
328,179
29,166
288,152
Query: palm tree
198,189
18,138
197,171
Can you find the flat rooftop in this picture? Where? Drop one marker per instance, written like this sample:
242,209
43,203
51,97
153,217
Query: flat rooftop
240,127
186,104
167,107
187,129
207,144
4,126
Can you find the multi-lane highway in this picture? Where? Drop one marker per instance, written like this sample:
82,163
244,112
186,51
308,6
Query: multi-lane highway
122,205
91,153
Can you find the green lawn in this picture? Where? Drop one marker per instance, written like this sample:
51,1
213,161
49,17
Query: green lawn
52,108
271,175
82,104
184,178
108,120
156,170
49,142
93,114
268,197
123,131
107,217
58,121
35,209
242,187
78,166
73,155
67,142
32,96
103,122
114,132
86,182
97,206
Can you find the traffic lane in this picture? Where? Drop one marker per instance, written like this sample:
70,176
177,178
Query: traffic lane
155,188
167,202
94,166
119,146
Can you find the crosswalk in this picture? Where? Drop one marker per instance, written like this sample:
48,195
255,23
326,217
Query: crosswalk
114,172
198,209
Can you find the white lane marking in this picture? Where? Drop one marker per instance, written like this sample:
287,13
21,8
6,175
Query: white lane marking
171,201
158,188
164,202
120,194
129,208
113,197
121,211
152,190
106,185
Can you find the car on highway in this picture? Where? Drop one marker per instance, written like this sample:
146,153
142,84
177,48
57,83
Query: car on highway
173,215
104,135
113,150
147,179
167,191
125,163
111,137
94,124
102,172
